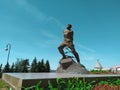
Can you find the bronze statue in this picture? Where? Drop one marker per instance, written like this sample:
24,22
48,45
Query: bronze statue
68,41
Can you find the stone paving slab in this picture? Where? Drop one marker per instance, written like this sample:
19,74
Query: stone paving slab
56,75
28,79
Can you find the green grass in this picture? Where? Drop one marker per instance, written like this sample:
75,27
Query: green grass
100,72
4,85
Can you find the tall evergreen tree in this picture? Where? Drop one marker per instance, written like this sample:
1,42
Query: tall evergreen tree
18,65
12,68
6,68
22,65
25,65
34,65
42,66
1,68
39,69
47,66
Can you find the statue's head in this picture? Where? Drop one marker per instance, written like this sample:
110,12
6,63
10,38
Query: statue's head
69,26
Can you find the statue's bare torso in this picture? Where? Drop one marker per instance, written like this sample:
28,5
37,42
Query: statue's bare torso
68,36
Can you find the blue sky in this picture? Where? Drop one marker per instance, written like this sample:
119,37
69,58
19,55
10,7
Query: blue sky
34,28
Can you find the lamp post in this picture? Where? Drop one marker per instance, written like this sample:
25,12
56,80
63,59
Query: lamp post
8,48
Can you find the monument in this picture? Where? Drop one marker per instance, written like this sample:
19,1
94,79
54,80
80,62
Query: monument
67,64
70,67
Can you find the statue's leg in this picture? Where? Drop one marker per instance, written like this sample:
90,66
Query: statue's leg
77,56
60,48
71,46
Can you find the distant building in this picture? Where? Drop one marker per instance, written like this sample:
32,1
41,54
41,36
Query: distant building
98,66
106,69
115,68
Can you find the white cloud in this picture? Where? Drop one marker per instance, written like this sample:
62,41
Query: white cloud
88,56
24,4
49,40
85,48
49,35
41,16
55,22
86,53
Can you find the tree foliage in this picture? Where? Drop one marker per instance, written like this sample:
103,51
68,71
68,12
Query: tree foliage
1,68
40,66
12,68
22,65
7,67
39,69
47,66
34,65
25,65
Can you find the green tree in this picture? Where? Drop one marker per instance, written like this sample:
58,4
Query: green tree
47,66
7,67
42,66
34,67
12,68
1,68
25,65
39,69
17,65
22,65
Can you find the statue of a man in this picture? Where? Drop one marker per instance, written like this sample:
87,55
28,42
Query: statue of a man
68,41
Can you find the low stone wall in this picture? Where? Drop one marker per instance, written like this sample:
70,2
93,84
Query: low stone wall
14,82
17,80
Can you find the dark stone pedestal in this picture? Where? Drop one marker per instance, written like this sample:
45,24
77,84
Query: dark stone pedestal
69,66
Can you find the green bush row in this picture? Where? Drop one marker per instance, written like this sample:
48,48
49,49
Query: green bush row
74,84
